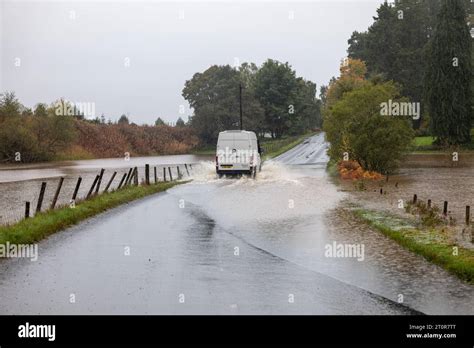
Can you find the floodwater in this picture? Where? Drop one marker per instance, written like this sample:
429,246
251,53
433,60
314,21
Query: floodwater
230,246
432,177
35,171
21,182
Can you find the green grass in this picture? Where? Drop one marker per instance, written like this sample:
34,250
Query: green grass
423,141
46,223
208,150
275,147
426,145
432,243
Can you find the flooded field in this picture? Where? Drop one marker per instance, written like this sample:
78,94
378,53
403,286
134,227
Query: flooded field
21,182
429,176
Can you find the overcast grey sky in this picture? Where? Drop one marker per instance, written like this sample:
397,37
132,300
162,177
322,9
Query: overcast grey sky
80,50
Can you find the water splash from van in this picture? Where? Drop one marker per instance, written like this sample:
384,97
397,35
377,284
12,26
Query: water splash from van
272,171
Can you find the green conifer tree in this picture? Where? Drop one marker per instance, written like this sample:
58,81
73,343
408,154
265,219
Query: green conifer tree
448,75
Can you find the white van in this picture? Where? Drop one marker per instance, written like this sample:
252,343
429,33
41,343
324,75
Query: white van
238,152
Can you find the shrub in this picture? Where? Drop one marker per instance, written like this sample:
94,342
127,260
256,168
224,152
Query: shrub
354,125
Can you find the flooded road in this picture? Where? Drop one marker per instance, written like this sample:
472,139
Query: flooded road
230,246
22,182
36,171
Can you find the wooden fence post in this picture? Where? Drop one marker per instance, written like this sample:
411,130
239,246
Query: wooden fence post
468,215
110,182
136,177
93,185
429,203
179,173
186,167
445,208
129,177
169,171
27,210
147,174
99,181
56,194
41,196
415,198
164,174
122,181
76,190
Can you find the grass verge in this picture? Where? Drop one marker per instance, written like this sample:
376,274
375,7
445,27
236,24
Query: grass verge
432,244
426,145
274,148
423,141
207,150
46,223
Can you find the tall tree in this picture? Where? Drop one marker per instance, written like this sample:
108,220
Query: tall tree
123,120
274,100
307,108
180,122
352,76
214,96
275,86
472,70
253,113
394,45
159,122
9,105
448,75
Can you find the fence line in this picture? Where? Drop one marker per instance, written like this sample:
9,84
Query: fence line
129,177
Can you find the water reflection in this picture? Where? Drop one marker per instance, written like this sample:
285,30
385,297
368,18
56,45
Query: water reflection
293,212
33,171
21,182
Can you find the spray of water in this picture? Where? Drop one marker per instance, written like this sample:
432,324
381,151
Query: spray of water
272,171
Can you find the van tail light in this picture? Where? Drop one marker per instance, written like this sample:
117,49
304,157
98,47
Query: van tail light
251,160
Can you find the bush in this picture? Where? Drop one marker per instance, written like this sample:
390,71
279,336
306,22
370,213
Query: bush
354,125
15,137
352,170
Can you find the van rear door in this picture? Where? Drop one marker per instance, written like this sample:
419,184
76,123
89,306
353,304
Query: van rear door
233,151
225,144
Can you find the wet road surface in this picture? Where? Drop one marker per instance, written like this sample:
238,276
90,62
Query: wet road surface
311,151
229,246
